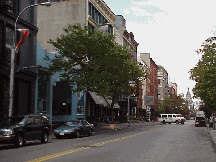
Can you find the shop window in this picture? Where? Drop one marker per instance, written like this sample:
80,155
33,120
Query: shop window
43,93
61,99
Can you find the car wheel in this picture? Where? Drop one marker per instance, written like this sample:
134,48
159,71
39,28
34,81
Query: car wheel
44,138
19,141
78,134
90,132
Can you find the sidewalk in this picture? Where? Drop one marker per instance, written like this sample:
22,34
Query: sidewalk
105,127
213,135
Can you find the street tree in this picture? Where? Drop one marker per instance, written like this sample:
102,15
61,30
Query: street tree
173,104
92,60
204,74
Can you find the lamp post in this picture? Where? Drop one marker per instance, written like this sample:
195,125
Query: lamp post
129,110
13,56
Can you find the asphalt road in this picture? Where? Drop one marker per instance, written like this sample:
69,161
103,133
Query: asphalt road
158,143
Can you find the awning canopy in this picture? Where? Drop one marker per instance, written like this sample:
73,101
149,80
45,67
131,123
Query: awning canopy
99,100
116,105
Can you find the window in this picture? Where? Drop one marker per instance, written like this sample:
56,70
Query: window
110,29
169,116
9,43
43,85
93,13
90,27
100,18
1,38
10,5
30,120
90,9
96,16
38,120
9,36
164,116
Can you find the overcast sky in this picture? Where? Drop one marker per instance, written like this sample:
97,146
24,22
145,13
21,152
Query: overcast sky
171,31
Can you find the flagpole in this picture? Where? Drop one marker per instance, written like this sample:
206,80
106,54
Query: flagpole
13,57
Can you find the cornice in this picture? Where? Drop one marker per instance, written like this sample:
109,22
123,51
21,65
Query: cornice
104,10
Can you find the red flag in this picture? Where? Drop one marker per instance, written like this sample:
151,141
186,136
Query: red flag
25,33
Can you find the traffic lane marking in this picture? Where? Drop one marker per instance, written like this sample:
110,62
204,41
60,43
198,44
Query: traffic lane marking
84,148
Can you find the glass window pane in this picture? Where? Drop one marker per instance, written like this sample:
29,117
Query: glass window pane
90,9
9,36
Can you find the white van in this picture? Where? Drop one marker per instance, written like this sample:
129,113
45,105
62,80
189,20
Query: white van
171,118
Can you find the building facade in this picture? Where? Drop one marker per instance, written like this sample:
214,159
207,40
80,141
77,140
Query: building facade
142,89
172,89
61,101
126,39
25,59
151,83
162,83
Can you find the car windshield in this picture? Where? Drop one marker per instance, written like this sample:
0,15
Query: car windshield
200,118
14,121
72,123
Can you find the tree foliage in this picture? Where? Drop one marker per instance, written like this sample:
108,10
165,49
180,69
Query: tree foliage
94,61
173,104
204,74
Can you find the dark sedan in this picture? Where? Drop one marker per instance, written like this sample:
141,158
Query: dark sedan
200,122
74,128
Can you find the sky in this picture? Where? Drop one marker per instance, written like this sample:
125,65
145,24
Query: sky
171,31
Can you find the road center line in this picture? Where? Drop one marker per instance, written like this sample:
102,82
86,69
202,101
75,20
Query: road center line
84,148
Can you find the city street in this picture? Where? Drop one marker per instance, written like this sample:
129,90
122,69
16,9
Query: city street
156,143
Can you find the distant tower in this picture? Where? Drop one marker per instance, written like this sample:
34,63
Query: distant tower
189,100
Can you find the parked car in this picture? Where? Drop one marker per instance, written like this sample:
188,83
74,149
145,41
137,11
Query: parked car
74,128
19,129
200,121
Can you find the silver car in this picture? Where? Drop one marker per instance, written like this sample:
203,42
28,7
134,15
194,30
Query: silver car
74,128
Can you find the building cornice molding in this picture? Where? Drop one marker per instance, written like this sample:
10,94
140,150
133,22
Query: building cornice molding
102,7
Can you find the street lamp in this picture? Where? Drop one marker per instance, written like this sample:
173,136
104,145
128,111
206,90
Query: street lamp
128,110
13,56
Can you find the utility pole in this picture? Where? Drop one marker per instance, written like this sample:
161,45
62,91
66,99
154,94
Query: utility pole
129,111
